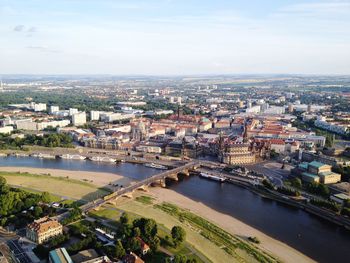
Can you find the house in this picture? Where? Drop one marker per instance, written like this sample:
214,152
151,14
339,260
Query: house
43,229
144,246
132,258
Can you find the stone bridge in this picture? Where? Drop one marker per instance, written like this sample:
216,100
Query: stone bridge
158,179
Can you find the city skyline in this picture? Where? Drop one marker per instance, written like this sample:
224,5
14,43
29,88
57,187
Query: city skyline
174,37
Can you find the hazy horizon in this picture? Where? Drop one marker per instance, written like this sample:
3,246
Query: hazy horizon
175,38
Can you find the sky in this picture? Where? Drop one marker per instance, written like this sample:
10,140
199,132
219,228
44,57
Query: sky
174,37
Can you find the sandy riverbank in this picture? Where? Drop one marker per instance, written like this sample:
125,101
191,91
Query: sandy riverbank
96,178
232,225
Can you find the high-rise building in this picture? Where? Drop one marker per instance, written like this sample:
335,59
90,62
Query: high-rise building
290,107
73,111
249,104
79,118
309,108
94,115
54,109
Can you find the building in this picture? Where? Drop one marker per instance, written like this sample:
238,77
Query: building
38,106
223,124
139,131
284,147
318,172
254,109
79,118
237,153
54,109
310,156
43,229
132,258
6,130
335,127
340,198
290,108
94,115
149,149
30,125
144,246
73,111
59,255
275,110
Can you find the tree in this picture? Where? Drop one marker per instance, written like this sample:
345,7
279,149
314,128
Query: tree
296,182
45,197
147,226
154,244
323,190
136,232
178,234
180,259
38,211
124,219
133,244
3,185
119,250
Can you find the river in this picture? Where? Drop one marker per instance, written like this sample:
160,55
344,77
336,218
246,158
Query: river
314,237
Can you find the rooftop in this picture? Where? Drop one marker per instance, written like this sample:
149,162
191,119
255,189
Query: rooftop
316,164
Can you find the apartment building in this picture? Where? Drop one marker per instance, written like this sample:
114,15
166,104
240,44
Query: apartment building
43,229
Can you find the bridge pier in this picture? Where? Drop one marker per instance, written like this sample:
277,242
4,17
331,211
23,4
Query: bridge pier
128,195
173,177
185,172
160,182
143,188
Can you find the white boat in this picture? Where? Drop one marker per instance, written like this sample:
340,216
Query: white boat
46,156
103,159
73,157
21,155
156,166
212,177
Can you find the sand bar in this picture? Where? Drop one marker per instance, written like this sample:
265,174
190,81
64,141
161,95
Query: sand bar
96,178
281,250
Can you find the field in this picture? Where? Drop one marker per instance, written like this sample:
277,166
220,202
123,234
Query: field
57,186
203,237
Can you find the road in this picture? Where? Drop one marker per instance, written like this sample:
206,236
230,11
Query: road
271,170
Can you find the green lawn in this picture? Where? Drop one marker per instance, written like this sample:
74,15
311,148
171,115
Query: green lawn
58,186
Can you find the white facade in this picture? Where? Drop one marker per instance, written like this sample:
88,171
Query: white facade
29,125
79,118
254,109
6,129
333,127
94,115
112,116
54,109
38,106
275,110
73,111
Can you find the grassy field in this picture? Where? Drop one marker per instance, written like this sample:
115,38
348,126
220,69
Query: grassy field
203,237
232,245
57,186
112,214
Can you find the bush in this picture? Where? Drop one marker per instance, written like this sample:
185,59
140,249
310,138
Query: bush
254,240
326,204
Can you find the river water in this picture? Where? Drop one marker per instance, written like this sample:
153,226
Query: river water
314,237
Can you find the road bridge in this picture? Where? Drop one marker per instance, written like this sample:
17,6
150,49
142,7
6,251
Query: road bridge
155,179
